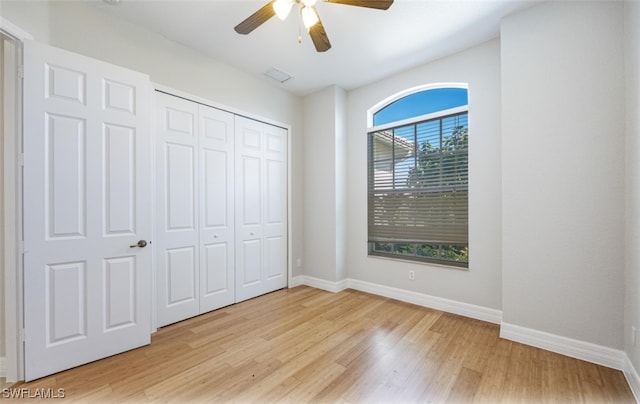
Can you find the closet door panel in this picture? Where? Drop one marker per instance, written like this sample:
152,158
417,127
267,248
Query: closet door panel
261,264
251,263
177,235
251,193
275,257
217,285
275,207
179,160
248,227
215,186
249,189
215,281
181,281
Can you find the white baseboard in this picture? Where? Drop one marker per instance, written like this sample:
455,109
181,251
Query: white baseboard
296,281
323,284
632,377
432,302
598,354
421,299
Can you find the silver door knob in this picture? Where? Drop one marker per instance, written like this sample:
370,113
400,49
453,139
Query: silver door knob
140,244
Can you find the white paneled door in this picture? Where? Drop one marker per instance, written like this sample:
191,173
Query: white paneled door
195,227
177,209
261,208
87,210
216,208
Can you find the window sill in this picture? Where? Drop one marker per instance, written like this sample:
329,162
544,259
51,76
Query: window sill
419,261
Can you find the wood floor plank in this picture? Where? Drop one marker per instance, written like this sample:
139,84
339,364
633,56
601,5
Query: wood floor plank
308,345
465,386
494,374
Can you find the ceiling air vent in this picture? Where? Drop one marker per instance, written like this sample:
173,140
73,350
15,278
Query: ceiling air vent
277,75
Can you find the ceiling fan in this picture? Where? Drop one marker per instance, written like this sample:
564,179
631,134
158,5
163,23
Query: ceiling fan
309,16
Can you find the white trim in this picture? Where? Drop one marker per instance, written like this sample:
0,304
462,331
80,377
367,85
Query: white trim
13,30
598,354
432,302
421,299
419,118
12,187
153,324
296,281
289,208
213,104
631,374
318,283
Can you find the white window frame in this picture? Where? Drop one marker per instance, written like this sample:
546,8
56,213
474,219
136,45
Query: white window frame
416,119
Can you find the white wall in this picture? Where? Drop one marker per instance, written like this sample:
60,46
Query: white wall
481,284
324,188
89,31
563,170
342,190
632,278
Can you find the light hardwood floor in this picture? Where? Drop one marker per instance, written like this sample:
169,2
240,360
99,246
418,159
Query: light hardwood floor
4,383
308,345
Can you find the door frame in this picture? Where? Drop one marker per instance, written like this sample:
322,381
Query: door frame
13,369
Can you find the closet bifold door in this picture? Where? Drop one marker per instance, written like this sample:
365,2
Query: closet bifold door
176,243
261,208
216,208
194,226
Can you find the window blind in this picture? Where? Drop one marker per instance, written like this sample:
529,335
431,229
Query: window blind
418,182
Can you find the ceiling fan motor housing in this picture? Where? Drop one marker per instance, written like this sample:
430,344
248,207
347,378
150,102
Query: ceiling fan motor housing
309,15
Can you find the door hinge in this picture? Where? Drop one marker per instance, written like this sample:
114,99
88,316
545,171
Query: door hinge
21,71
21,247
20,160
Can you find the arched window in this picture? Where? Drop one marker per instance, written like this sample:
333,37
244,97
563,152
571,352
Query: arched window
418,176
421,103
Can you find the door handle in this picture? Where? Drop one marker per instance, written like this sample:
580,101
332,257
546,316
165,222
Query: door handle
141,244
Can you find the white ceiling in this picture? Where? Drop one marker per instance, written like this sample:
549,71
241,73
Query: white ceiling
367,44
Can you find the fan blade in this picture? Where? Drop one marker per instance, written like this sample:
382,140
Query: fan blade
319,37
256,19
379,4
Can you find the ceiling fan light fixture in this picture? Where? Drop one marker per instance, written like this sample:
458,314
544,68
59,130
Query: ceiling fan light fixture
309,17
282,8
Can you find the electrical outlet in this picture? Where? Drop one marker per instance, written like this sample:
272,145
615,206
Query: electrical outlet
634,337
412,275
